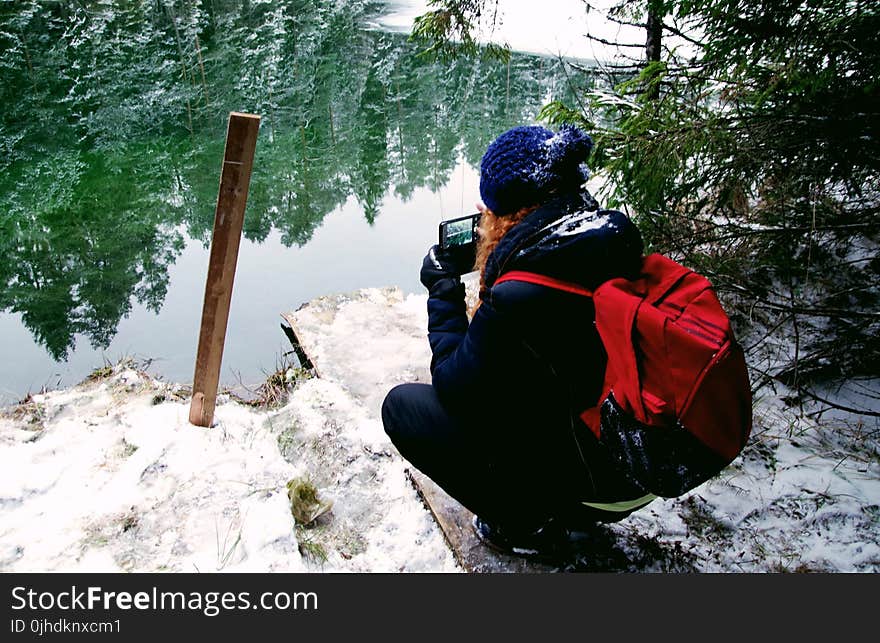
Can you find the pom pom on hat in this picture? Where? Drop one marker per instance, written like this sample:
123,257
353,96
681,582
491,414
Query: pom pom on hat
527,165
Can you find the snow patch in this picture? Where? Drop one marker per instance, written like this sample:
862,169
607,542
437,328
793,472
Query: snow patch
578,223
113,481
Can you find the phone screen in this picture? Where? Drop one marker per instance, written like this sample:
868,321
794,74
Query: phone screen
459,232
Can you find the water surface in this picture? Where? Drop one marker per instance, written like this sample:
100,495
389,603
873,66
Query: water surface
110,148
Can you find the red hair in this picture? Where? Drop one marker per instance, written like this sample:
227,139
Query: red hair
491,230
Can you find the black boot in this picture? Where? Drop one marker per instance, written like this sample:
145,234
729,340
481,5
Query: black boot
550,541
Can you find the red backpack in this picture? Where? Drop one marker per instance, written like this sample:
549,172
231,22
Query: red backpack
674,373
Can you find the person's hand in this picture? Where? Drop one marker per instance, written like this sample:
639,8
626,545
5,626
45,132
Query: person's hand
436,267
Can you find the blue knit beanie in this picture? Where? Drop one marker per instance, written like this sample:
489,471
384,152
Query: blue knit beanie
527,165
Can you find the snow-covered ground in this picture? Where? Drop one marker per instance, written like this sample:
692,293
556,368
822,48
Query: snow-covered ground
109,475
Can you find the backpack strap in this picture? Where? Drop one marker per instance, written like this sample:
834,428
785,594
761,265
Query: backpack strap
615,321
543,280
616,335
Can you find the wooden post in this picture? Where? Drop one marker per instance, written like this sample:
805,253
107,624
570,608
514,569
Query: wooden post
238,159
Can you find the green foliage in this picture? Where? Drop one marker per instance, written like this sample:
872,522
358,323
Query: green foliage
558,113
451,29
758,163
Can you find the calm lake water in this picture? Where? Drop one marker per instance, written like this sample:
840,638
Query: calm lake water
111,139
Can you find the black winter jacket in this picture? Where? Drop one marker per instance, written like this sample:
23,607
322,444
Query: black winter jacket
531,359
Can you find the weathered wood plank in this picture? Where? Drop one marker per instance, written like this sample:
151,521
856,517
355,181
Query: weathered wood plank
455,523
238,160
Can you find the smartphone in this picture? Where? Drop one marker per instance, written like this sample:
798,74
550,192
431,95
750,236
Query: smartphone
456,233
458,238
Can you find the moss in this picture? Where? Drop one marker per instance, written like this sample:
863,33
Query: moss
305,503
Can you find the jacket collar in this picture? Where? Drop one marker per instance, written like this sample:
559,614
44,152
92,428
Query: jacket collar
531,230
570,239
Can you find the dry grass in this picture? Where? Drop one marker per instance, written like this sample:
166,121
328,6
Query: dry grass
275,390
310,548
29,412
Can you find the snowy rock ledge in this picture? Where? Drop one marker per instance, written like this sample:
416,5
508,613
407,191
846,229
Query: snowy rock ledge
110,476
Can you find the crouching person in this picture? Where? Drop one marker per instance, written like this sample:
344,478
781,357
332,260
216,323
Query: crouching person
502,427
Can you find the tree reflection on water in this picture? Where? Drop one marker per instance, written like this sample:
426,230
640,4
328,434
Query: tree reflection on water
114,121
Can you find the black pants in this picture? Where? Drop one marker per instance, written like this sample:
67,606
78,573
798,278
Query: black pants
516,476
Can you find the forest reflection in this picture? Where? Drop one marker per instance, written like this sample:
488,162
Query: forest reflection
113,129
